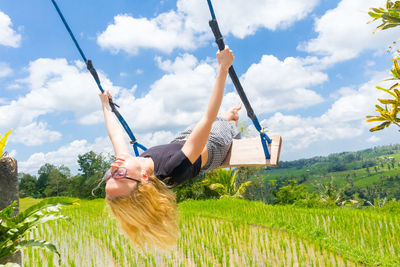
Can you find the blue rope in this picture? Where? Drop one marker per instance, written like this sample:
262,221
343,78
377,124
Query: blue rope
211,9
250,113
92,70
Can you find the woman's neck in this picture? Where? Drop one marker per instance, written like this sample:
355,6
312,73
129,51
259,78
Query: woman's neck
149,166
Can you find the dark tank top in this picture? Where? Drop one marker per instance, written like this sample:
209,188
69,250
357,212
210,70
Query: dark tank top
171,165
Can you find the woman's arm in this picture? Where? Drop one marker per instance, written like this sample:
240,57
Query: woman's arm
199,136
114,129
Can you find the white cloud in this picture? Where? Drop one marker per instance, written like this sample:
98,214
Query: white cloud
174,101
345,119
8,37
373,139
155,138
66,155
343,32
164,33
34,134
5,69
187,27
275,85
243,18
179,98
54,86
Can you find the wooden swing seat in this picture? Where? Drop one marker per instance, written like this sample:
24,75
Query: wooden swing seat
249,152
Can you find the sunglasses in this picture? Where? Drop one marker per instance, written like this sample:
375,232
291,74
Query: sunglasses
119,173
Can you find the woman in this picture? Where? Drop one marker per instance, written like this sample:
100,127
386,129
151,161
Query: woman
138,188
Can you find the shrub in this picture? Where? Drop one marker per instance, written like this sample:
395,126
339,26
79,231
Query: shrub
13,229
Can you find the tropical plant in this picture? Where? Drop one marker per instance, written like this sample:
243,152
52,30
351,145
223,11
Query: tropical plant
329,192
3,143
223,181
13,230
390,16
388,115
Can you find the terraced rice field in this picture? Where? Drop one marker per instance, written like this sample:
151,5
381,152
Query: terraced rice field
228,233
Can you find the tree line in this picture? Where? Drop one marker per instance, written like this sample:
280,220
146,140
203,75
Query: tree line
54,180
250,183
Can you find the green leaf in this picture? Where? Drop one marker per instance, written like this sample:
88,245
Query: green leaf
391,25
397,92
233,180
375,118
386,90
379,28
394,112
387,101
395,74
393,86
219,188
374,15
396,67
39,244
392,18
243,187
378,10
396,5
379,108
8,211
380,127
10,264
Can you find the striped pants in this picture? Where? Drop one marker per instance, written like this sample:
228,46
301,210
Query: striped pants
218,144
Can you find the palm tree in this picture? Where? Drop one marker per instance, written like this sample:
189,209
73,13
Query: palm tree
330,192
223,181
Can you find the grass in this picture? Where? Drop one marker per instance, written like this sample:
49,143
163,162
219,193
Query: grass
230,233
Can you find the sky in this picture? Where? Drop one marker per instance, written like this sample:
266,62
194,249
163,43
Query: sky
308,67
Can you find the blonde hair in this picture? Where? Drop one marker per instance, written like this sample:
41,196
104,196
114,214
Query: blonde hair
149,215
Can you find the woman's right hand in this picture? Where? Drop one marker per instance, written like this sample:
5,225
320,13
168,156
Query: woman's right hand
225,58
104,98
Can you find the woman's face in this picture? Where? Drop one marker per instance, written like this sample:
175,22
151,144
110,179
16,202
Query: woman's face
122,187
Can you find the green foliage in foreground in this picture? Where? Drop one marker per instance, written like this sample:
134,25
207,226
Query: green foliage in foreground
13,229
390,18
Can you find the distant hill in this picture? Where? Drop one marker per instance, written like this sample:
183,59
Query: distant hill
361,168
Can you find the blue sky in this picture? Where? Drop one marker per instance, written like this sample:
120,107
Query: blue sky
309,68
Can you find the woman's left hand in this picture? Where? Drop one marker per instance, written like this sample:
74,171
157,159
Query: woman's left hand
104,98
225,58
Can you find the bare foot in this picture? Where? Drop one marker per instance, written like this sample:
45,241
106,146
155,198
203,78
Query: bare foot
232,114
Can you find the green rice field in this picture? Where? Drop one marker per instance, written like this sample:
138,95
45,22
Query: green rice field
228,232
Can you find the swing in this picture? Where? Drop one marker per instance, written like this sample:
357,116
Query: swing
243,152
247,152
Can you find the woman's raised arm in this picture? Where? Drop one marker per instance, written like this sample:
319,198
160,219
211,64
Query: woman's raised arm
199,136
114,129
